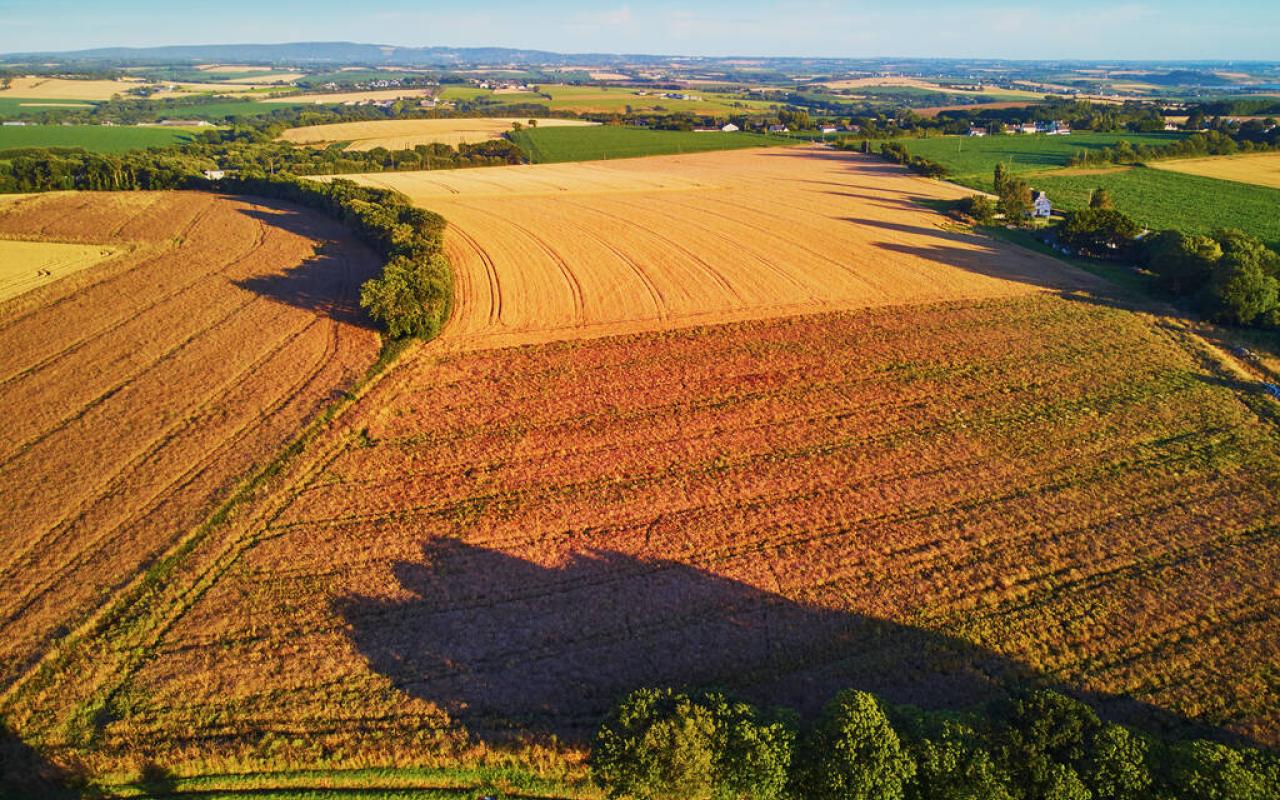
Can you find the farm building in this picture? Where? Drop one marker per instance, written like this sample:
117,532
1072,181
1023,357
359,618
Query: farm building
779,129
1040,205
825,129
215,174
976,131
729,127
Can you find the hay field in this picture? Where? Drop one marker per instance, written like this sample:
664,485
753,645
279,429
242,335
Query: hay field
27,265
40,88
555,250
1260,169
266,79
404,134
350,97
925,501
136,394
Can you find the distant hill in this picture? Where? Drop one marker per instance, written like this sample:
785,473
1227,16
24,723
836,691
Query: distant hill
334,52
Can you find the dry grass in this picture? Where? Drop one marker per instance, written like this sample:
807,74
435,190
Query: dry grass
27,265
403,134
552,251
136,394
1260,169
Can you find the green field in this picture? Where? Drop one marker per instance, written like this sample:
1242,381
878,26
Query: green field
11,107
550,145
970,160
216,112
607,100
1158,199
96,138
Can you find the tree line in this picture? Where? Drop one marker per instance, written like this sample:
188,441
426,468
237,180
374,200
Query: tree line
1034,745
1251,137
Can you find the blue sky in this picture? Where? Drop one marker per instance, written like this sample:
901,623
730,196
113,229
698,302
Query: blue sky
1143,29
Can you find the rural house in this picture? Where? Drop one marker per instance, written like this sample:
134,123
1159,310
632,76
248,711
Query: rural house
976,131
1040,205
729,127
779,129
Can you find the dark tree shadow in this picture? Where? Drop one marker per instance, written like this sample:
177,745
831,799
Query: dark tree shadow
328,284
26,775
499,641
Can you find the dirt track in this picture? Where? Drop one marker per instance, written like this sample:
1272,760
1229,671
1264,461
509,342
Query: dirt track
137,393
565,250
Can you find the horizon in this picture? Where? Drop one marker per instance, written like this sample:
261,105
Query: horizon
1000,31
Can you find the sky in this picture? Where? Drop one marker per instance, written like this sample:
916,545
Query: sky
1031,29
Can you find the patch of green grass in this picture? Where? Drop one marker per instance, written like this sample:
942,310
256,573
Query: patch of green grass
1158,199
611,99
971,160
95,138
549,145
216,112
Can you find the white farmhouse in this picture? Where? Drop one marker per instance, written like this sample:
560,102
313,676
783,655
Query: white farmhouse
729,127
976,131
1040,205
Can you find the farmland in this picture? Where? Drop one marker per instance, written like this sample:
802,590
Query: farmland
1261,169
350,97
1161,199
545,146
404,134
137,392
27,265
62,89
923,500
95,138
546,251
611,99
971,160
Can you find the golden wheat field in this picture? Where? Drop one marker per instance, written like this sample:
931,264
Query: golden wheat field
27,265
1261,169
137,393
548,251
404,134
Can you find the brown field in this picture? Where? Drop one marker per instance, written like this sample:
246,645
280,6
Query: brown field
404,134
351,97
245,68
548,251
27,265
1261,169
925,501
138,393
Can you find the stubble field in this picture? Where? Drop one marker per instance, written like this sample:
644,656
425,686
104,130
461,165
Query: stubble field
1262,169
547,251
405,134
136,394
927,501
27,265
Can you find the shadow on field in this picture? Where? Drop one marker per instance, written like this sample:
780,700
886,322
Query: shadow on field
499,641
24,773
327,284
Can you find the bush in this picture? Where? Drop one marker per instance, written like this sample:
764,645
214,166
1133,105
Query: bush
1099,232
980,207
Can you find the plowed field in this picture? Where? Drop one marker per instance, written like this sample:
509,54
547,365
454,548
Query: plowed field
562,250
925,501
135,394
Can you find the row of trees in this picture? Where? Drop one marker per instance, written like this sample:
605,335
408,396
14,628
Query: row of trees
414,294
1039,745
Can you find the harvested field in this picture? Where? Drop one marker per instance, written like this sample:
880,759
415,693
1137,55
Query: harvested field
925,501
268,78
1260,169
405,134
548,251
64,89
27,265
350,97
138,393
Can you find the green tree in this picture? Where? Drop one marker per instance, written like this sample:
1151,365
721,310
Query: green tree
661,744
1117,765
411,297
1015,200
1000,177
1183,263
954,766
1098,231
980,207
1242,285
1210,771
853,753
1046,743
1101,198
